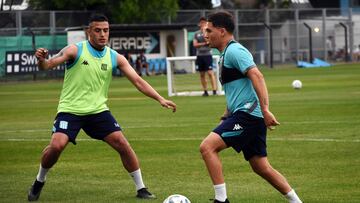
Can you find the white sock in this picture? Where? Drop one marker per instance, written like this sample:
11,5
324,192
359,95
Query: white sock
41,176
292,197
220,192
136,176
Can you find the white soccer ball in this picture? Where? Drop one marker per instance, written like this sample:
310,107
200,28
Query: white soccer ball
296,84
176,199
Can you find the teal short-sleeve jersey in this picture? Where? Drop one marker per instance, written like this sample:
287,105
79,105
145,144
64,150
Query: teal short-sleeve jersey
239,91
87,80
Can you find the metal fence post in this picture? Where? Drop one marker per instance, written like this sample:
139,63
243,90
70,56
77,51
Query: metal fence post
267,22
203,13
271,44
236,31
324,33
52,28
351,34
311,59
297,34
19,31
346,41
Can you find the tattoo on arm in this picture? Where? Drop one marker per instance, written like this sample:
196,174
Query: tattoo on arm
63,56
61,52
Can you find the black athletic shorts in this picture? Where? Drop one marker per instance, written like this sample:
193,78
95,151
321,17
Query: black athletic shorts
97,126
204,63
245,133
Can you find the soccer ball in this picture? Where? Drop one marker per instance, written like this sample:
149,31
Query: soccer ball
296,84
176,199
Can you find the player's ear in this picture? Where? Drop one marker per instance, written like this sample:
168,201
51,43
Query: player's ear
222,31
87,30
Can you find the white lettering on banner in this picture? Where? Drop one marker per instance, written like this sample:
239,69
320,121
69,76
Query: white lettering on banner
125,43
28,59
25,62
9,57
132,43
139,43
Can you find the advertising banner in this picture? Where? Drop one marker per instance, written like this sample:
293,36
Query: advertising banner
20,62
135,42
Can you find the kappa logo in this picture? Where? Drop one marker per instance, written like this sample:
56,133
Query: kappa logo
85,62
237,127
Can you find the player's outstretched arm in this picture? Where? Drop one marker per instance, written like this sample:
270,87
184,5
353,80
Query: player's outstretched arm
259,84
67,53
141,84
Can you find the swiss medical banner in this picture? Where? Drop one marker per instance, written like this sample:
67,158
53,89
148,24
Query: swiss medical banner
20,62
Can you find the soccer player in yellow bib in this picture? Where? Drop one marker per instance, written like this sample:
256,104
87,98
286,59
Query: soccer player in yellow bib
83,99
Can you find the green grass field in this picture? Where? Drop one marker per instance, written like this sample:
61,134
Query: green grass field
317,145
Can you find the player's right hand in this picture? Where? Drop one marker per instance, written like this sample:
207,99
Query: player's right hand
270,120
168,104
41,54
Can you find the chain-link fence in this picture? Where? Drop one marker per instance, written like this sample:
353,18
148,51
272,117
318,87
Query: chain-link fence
289,28
290,36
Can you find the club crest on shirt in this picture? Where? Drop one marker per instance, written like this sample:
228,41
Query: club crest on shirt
104,67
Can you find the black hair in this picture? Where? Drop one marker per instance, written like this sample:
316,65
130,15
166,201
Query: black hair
222,19
98,18
202,18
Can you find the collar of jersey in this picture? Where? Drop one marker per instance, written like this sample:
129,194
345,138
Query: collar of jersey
94,52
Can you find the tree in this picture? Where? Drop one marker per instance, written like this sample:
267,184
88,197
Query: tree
66,4
118,11
142,11
195,4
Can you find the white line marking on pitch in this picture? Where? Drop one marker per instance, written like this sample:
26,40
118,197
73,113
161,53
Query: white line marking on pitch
185,139
174,126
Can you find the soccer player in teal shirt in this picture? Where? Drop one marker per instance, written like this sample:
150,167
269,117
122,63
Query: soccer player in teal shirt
83,99
247,115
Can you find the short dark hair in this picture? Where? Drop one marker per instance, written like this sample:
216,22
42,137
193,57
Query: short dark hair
98,18
222,19
202,18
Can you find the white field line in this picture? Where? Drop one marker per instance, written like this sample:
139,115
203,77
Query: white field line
164,125
5,132
124,128
185,139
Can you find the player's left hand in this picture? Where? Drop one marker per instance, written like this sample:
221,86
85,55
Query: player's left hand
168,104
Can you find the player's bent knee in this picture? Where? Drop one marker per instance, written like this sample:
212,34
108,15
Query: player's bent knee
118,142
121,141
56,147
205,148
263,171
